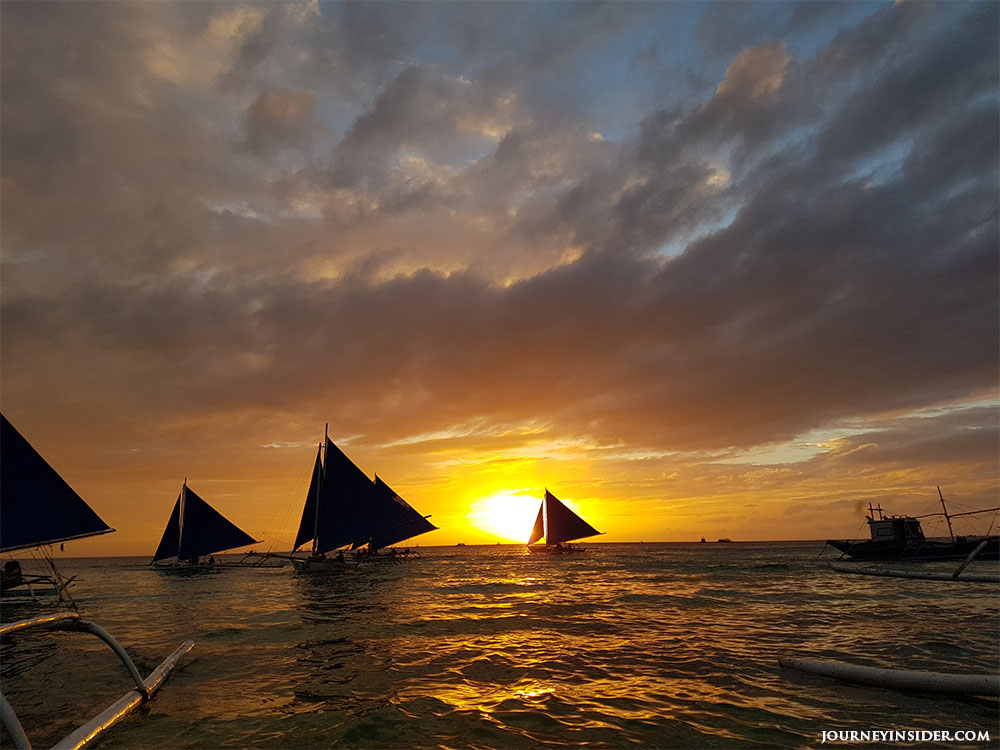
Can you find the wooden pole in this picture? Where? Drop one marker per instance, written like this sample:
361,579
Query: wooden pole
947,518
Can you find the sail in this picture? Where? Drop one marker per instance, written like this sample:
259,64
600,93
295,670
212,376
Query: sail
204,530
538,530
196,528
345,501
562,524
38,506
399,520
170,542
307,526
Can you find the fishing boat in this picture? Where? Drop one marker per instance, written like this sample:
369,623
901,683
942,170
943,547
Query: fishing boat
344,509
896,537
559,526
38,509
196,530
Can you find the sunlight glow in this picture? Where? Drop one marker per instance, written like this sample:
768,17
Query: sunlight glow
506,515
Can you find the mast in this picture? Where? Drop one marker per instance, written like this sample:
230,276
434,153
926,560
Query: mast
545,515
947,518
319,485
180,515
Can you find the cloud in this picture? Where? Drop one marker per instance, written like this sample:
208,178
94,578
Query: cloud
755,73
279,118
219,214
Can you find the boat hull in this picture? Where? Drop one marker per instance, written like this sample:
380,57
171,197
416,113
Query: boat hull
554,550
186,569
925,550
321,565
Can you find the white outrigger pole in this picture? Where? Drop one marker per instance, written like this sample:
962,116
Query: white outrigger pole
140,694
900,679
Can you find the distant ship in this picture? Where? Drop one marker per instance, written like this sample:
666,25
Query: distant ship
902,538
345,508
195,530
559,526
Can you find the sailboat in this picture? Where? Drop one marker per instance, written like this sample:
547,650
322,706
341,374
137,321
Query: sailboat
559,526
196,529
344,508
38,508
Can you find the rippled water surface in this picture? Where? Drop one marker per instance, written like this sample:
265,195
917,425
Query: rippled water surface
656,645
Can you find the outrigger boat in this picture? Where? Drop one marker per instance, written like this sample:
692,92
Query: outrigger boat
196,530
345,509
902,538
38,509
559,526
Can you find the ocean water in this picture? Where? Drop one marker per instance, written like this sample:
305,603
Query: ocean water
626,645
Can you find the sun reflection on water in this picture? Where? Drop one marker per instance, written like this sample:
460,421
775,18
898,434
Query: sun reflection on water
487,647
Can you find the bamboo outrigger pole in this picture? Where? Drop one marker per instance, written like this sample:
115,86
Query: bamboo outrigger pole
901,679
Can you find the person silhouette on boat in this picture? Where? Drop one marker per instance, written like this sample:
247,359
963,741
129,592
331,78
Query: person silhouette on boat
340,556
11,575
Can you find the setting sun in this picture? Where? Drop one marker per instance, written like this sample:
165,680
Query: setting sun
507,515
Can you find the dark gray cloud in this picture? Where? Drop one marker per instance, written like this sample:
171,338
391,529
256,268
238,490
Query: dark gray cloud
404,215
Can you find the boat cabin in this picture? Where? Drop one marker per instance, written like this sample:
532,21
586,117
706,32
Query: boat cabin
889,528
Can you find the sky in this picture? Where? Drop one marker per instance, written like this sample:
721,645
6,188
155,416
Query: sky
699,269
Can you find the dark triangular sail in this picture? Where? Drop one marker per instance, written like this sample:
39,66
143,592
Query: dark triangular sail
562,524
399,519
538,530
345,501
307,526
37,506
200,530
171,540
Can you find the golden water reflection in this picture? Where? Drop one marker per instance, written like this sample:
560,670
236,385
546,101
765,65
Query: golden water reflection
652,645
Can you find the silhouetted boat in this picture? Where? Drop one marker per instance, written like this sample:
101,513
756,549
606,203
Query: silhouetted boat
559,526
37,508
346,509
902,538
724,540
195,530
